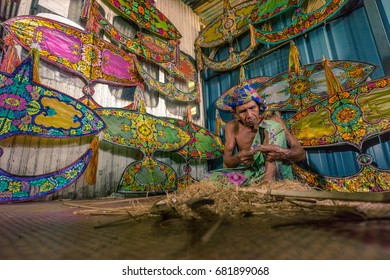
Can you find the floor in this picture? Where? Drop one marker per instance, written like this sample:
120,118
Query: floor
55,230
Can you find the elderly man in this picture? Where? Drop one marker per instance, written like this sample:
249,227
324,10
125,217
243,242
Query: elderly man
257,148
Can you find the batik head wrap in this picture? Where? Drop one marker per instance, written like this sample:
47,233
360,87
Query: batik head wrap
244,94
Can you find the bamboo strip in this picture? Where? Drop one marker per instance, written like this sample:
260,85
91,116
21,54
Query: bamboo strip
367,197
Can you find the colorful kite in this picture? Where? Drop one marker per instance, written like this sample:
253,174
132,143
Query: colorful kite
224,29
202,145
233,60
184,68
144,45
27,107
227,26
14,187
265,10
368,179
303,16
31,108
146,16
295,91
149,134
75,50
347,118
168,88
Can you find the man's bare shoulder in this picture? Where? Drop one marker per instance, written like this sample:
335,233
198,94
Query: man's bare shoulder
232,125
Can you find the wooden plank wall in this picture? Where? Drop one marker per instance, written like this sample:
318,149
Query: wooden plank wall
26,155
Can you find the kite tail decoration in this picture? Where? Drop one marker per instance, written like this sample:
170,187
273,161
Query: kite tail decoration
293,59
253,35
242,75
91,171
142,107
35,53
92,24
11,58
176,51
226,5
199,58
86,9
267,26
189,119
136,99
139,99
198,100
188,114
332,82
90,104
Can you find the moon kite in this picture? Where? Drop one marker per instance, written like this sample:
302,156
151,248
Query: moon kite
147,133
32,109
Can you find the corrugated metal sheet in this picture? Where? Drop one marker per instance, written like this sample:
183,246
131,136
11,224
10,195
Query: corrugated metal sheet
8,9
384,9
207,10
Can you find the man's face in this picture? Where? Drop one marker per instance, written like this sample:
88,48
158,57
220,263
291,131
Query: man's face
248,114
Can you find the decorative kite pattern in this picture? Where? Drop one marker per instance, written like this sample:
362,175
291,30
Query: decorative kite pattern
222,99
31,108
144,45
146,16
368,179
186,179
148,134
82,53
226,26
222,30
348,117
302,20
267,9
293,92
202,145
169,89
233,60
13,187
184,68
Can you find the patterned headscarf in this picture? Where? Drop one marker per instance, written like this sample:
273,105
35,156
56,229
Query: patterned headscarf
244,94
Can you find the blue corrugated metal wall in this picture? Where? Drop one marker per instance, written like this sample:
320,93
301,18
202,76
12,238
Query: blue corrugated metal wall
384,9
348,37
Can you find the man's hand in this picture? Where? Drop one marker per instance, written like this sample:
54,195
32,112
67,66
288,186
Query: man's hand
246,157
274,152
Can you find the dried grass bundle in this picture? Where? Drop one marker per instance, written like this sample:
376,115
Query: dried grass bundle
207,198
200,200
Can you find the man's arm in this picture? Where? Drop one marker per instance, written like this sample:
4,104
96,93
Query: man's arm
294,152
229,158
